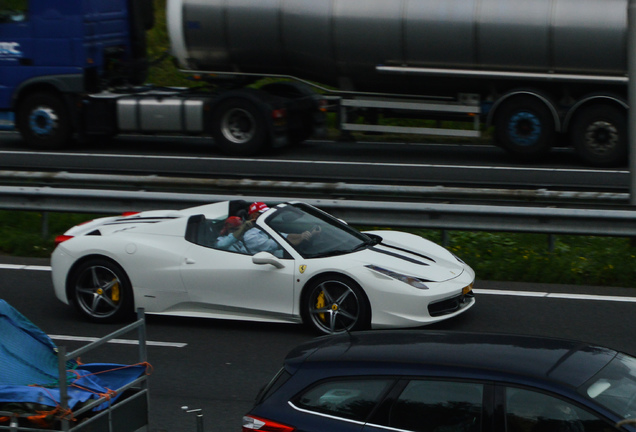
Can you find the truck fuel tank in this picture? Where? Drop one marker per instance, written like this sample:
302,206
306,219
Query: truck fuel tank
154,113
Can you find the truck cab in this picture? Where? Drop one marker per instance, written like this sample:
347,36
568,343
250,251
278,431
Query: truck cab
53,51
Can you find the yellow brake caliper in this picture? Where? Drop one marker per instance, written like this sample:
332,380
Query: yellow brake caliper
114,293
320,303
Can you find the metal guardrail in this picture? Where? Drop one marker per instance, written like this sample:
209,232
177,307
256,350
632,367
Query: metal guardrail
338,190
406,213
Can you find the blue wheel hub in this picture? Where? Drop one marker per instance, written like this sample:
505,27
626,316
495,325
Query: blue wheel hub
43,121
524,128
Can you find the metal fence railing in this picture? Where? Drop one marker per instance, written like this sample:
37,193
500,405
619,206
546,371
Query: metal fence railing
132,194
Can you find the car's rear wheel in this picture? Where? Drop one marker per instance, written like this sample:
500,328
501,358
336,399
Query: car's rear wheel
335,304
101,292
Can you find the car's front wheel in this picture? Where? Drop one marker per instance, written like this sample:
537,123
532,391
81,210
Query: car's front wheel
335,304
100,291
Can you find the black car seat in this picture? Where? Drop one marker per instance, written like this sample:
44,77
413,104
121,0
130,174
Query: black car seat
238,208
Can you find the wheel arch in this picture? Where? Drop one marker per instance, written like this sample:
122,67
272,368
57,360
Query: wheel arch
82,260
63,84
589,100
542,97
65,88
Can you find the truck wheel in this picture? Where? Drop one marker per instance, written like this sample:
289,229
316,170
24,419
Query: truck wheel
239,127
599,135
44,121
524,126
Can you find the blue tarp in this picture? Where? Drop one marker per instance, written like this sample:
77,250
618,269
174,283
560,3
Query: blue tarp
29,367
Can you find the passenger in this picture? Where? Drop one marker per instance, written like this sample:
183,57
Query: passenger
230,235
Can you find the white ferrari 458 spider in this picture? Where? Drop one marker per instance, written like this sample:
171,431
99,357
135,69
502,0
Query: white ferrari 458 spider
290,263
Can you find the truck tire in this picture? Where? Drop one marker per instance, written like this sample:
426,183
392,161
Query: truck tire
44,121
239,127
524,126
599,135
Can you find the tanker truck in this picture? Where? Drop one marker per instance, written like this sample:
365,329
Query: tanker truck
76,70
541,73
537,73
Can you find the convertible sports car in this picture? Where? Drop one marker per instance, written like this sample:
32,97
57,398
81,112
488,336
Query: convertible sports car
315,269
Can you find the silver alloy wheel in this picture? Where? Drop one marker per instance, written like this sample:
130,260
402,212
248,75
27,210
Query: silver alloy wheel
334,307
98,292
238,125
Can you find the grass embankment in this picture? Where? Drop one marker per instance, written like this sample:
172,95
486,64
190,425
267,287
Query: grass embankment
577,260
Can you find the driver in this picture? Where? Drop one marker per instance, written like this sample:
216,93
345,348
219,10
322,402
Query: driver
256,240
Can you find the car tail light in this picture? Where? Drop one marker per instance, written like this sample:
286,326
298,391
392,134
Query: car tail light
130,213
62,238
323,105
278,114
251,423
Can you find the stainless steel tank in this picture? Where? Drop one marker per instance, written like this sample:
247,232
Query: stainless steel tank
341,42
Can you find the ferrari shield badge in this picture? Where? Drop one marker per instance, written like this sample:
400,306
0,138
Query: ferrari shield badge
302,268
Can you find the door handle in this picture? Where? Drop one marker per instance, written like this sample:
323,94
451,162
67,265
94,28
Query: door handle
190,261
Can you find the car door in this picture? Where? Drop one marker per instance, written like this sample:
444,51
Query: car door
339,404
432,405
529,410
230,283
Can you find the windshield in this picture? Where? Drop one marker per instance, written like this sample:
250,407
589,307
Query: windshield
614,387
329,235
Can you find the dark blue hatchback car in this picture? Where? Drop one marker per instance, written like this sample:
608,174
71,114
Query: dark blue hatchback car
447,382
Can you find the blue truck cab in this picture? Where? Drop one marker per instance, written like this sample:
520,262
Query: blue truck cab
52,52
77,69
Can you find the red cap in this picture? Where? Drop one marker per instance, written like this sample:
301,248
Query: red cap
233,221
259,207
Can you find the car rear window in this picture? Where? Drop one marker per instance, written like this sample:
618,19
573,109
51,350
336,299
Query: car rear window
351,398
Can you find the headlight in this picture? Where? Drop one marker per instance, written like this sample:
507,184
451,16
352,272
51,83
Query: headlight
411,280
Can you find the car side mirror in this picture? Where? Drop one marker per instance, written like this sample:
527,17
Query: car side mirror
267,258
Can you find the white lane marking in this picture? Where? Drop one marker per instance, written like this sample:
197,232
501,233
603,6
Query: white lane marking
118,341
556,295
477,291
312,162
89,339
24,267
